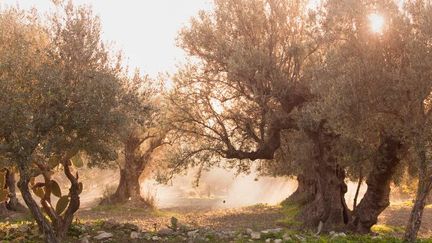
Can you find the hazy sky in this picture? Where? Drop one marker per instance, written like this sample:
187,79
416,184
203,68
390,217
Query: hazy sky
144,29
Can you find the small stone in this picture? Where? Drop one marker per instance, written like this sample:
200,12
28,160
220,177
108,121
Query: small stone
147,236
265,231
286,237
249,231
268,240
110,224
300,238
130,227
103,235
165,232
276,230
278,241
255,235
331,233
320,226
134,235
155,238
85,239
342,234
192,233
23,228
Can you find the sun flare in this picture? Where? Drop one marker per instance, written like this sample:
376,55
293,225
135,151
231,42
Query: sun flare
376,22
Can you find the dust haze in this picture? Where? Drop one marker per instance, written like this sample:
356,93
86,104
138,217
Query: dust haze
217,189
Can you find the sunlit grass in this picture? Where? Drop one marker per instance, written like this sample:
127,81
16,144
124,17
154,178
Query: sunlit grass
386,229
290,211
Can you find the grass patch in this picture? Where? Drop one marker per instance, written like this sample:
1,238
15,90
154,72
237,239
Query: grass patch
408,203
290,211
259,206
119,208
386,229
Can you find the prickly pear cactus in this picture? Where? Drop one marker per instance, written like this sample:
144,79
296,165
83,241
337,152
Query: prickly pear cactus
40,189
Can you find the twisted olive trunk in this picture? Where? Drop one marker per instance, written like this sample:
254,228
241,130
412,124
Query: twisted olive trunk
129,186
13,203
321,187
74,202
136,162
377,197
44,226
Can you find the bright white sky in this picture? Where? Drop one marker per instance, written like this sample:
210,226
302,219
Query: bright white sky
145,30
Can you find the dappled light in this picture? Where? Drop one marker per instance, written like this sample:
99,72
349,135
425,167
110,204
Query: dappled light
376,22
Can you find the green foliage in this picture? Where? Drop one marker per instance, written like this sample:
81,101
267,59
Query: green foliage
61,90
77,161
62,204
55,189
54,161
245,79
386,229
38,191
290,212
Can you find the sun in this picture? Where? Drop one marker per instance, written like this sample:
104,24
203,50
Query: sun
376,22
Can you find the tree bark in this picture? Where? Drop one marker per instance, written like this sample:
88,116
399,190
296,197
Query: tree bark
415,220
74,202
136,162
13,203
423,190
377,197
44,226
322,187
429,199
306,189
325,202
129,186
360,181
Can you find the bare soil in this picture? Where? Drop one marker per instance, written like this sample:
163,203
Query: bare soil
258,217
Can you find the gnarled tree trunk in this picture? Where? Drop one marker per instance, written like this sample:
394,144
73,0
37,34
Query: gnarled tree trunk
322,187
129,186
13,203
44,226
306,189
377,197
325,203
136,162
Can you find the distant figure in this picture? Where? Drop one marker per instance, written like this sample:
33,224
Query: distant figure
223,201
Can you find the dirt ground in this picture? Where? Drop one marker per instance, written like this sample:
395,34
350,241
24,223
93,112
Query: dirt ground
398,215
257,217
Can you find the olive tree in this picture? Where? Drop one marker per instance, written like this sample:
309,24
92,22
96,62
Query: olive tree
141,136
377,86
60,103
